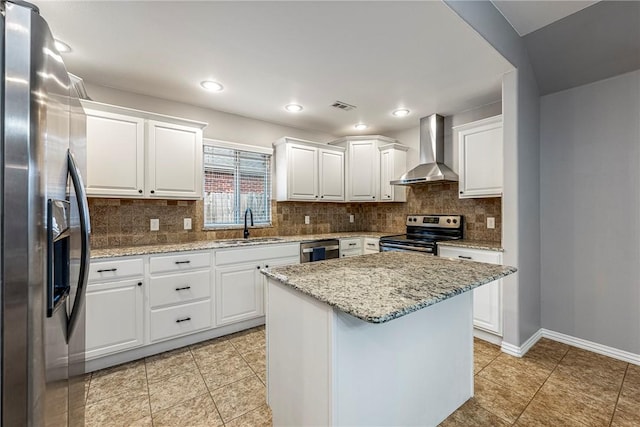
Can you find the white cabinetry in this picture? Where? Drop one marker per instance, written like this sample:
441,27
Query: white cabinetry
133,153
179,294
371,245
393,163
372,162
239,285
480,158
114,310
308,171
175,160
487,299
351,246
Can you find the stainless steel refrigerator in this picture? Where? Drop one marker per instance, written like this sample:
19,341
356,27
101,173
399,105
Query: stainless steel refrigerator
45,228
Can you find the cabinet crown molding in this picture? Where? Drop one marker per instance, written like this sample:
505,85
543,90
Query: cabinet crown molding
116,109
379,138
290,140
488,120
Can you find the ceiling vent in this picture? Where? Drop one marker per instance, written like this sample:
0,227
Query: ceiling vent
343,106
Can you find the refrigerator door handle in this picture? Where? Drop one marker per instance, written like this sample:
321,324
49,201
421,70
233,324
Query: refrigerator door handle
85,230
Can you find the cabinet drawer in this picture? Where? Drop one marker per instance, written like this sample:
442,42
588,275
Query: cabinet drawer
180,320
348,244
251,254
179,288
350,252
179,262
372,244
115,269
490,257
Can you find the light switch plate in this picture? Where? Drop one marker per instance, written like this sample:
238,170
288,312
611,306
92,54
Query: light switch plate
187,223
491,222
352,218
307,220
154,224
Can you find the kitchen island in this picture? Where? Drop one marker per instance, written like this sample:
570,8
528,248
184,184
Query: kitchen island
380,339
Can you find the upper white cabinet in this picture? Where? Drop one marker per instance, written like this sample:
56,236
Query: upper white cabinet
393,163
372,162
175,160
115,154
133,153
308,171
480,162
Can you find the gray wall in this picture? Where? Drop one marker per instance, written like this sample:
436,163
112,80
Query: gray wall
590,212
224,126
521,198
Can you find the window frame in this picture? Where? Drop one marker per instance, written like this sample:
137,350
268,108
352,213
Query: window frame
236,170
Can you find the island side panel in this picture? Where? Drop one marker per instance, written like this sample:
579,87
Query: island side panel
299,354
415,370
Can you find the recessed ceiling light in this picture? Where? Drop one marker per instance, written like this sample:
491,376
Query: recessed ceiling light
62,46
361,126
402,112
212,86
293,108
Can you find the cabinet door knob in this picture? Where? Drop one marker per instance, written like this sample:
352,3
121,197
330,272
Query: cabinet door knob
153,191
374,197
139,283
322,197
257,267
462,192
316,196
266,266
140,191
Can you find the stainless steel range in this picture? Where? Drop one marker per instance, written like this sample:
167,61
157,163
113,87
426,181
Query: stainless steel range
423,232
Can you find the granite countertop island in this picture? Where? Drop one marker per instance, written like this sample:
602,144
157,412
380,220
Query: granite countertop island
380,287
473,244
381,339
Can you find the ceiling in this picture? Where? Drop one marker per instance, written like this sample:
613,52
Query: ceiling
528,16
378,56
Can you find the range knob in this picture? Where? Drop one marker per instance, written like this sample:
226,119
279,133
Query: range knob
448,220
455,221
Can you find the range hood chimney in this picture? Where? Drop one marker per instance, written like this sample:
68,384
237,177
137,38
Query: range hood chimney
431,167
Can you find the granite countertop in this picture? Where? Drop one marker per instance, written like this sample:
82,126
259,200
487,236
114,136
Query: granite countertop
381,287
473,244
221,244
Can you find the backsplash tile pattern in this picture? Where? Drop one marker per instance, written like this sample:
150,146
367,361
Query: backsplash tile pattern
125,222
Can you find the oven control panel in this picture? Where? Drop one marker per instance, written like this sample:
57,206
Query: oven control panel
435,221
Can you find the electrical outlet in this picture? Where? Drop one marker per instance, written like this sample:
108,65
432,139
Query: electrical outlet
352,218
491,222
187,223
154,224
307,220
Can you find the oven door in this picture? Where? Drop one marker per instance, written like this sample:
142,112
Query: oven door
388,246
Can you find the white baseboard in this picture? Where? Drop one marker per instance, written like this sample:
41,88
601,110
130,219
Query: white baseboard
612,352
516,351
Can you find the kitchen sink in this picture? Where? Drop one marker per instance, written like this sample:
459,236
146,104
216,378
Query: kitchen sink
256,240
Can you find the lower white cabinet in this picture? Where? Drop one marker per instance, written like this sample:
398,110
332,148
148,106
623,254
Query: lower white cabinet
239,285
239,293
487,299
114,319
371,245
350,246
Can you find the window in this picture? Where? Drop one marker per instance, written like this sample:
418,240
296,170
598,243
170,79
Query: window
236,179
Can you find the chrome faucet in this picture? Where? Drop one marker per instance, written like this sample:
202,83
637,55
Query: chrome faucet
246,229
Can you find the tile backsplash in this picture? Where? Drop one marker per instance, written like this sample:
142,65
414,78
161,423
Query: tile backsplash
125,222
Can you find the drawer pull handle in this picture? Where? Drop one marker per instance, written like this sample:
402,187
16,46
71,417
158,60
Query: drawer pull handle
464,257
352,244
107,269
370,244
183,262
184,288
185,319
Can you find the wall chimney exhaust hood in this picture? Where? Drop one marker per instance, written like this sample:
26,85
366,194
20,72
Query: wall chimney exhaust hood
431,167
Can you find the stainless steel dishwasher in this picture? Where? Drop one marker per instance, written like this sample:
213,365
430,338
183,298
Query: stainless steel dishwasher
318,250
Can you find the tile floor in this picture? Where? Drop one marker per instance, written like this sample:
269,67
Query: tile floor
222,382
